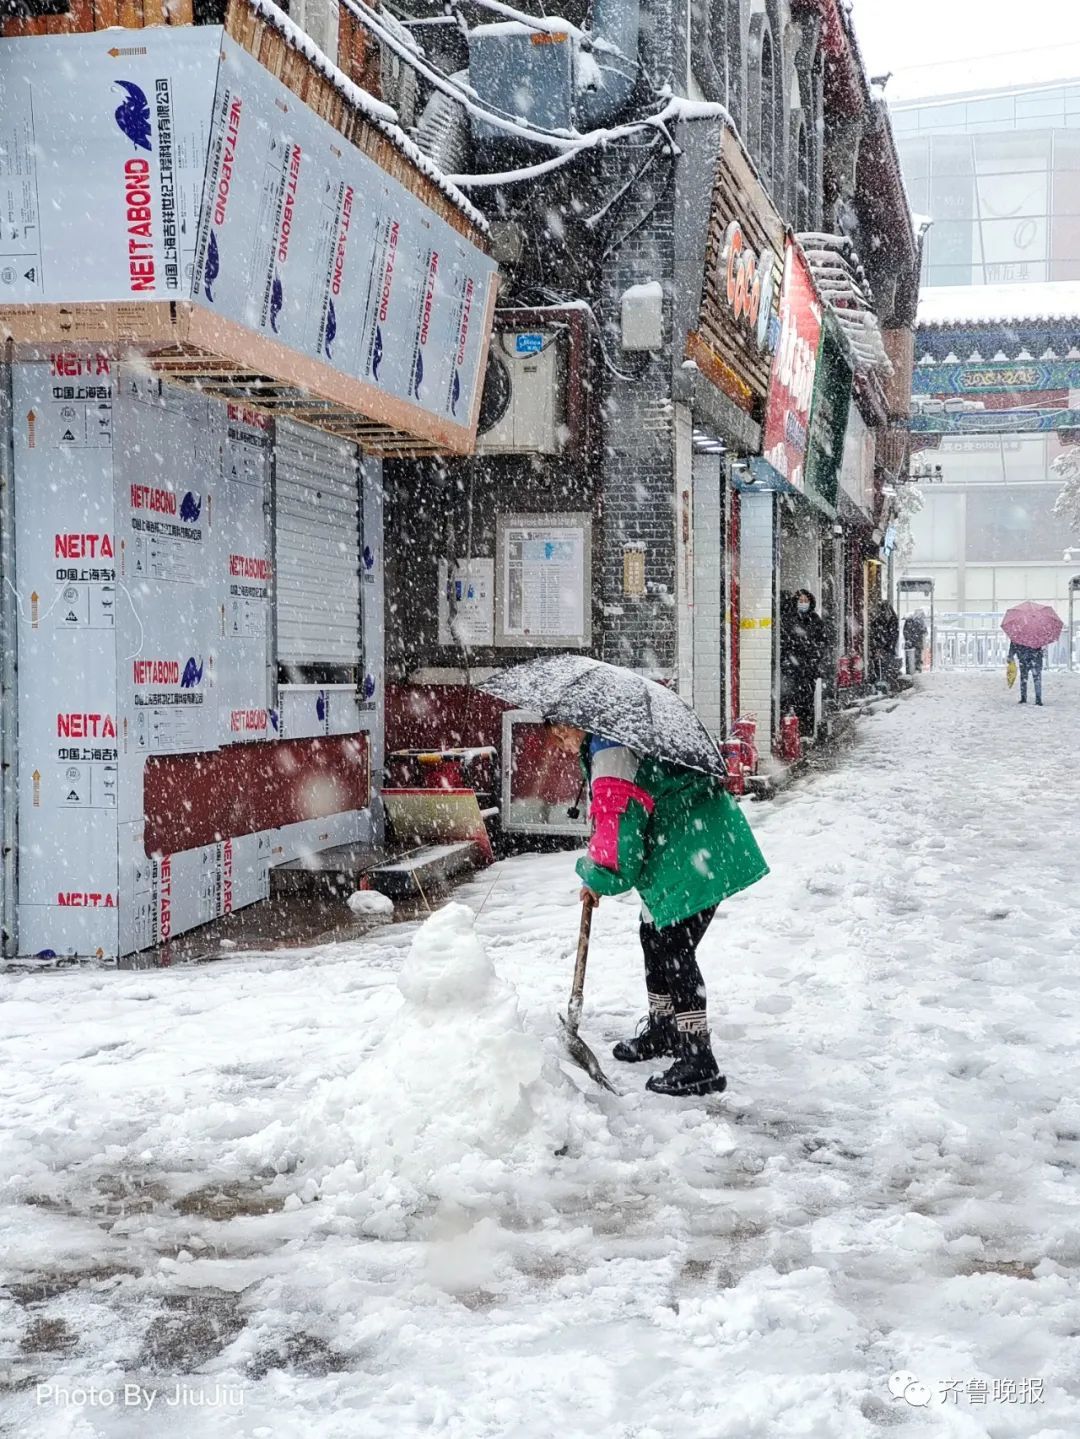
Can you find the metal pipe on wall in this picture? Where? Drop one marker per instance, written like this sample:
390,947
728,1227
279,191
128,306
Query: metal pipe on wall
9,620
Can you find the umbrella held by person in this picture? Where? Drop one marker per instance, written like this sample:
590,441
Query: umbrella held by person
1030,627
663,824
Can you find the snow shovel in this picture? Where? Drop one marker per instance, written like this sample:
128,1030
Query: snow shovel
578,1050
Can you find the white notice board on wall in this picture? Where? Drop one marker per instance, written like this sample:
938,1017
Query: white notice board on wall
545,580
467,603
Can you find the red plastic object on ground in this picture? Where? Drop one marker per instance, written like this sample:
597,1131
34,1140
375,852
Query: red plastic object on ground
443,773
732,750
790,739
843,673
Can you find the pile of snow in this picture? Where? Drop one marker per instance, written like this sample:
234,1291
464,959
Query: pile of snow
457,1104
370,901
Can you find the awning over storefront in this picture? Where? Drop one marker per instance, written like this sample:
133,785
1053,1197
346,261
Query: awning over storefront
227,204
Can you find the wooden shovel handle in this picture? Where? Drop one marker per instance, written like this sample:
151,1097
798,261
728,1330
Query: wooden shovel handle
578,989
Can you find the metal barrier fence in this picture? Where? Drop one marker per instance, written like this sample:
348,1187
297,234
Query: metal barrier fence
981,644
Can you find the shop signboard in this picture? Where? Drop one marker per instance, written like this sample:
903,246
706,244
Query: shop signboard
996,377
791,386
737,329
828,417
857,465
211,182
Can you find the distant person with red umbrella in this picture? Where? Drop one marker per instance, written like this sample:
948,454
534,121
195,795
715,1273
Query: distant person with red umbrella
1030,628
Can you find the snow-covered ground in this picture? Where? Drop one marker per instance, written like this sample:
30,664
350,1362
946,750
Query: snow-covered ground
324,1203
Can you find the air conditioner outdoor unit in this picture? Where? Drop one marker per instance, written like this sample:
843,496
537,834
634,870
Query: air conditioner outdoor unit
523,410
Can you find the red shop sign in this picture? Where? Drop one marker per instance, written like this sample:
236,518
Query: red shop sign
791,384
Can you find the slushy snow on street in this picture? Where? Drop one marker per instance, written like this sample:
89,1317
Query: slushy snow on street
357,1192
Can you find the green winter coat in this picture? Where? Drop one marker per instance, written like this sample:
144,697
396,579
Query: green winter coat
675,835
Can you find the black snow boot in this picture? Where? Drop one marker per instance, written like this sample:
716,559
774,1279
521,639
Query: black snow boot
656,1038
694,1072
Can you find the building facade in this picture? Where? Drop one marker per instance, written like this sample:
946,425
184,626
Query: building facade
999,174
692,537
685,405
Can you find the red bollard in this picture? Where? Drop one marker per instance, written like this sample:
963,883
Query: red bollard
790,739
732,751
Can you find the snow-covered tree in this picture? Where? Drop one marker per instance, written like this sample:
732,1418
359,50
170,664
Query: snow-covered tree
1067,504
906,505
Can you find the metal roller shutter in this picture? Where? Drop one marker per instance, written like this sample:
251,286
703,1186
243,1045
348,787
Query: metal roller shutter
317,547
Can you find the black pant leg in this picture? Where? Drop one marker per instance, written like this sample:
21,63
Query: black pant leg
685,982
803,704
656,977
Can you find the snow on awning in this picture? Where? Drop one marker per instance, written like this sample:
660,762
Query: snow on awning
955,306
843,284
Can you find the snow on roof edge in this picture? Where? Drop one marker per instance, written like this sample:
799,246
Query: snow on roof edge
947,305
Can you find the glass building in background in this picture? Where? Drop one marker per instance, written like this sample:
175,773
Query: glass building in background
998,173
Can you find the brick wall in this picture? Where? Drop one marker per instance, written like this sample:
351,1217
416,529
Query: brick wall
637,475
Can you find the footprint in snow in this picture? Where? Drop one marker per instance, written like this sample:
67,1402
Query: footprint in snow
774,1004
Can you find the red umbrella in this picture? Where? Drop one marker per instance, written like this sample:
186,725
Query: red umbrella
1031,624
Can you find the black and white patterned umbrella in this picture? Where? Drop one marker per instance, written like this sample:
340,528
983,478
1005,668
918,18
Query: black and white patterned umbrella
612,702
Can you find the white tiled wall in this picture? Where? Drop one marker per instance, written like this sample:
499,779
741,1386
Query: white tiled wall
708,591
756,585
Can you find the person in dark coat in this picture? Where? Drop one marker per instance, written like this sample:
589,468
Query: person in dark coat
884,637
804,644
915,635
1030,660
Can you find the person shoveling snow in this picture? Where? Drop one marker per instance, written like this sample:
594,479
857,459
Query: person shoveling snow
663,824
458,1105
678,838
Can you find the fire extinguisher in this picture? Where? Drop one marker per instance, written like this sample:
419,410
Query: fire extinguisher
732,751
745,731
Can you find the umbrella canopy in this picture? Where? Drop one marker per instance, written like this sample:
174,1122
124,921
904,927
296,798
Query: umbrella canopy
1032,624
613,702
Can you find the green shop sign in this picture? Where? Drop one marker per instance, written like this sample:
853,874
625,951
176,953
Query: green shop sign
828,418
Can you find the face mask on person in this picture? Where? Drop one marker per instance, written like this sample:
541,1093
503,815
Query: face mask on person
804,607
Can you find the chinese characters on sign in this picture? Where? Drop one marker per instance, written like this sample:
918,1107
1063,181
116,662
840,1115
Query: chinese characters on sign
791,387
544,580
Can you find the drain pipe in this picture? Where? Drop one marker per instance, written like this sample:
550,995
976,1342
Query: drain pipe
9,709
